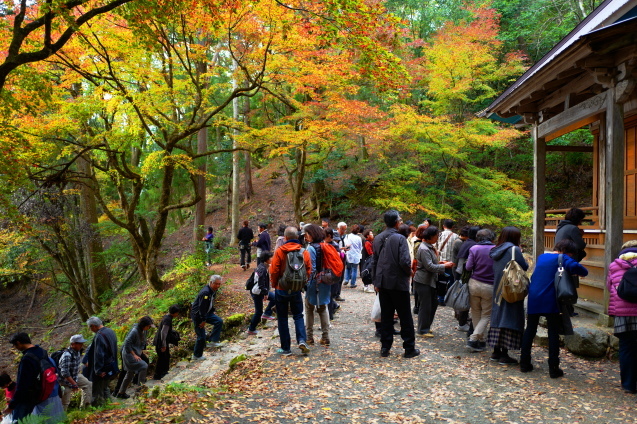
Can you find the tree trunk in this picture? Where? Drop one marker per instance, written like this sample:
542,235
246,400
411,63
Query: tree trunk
98,275
200,208
249,190
234,228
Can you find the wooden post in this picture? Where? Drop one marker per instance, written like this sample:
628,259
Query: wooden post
539,190
614,185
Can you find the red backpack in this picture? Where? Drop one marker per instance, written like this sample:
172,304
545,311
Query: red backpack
332,259
47,377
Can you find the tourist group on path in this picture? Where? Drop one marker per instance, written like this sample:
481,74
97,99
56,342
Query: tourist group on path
305,273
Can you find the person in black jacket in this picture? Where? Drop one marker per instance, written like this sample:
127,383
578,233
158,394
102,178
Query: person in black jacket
202,312
568,229
264,243
27,383
161,342
245,236
262,280
391,274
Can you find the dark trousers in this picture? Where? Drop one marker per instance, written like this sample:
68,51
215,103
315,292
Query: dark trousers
258,309
292,302
461,316
214,336
163,362
628,359
101,392
553,325
396,301
246,255
428,306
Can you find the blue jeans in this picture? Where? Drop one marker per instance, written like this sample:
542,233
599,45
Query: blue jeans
258,308
294,302
350,273
628,359
214,336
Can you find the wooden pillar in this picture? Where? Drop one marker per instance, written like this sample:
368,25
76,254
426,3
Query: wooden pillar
614,182
539,190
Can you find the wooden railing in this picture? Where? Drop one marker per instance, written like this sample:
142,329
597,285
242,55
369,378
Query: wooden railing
554,216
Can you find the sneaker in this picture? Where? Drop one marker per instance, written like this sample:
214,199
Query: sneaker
495,357
384,352
555,372
464,328
214,344
268,317
412,353
304,348
339,299
122,396
353,287
368,289
252,333
337,307
427,335
310,341
325,341
475,346
243,267
283,352
507,360
197,358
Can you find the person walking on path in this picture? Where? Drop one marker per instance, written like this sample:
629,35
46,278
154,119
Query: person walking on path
262,280
481,288
507,319
542,301
162,347
353,253
317,296
209,245
134,344
101,356
335,288
245,236
69,371
29,385
263,244
202,312
391,273
427,270
625,314
287,300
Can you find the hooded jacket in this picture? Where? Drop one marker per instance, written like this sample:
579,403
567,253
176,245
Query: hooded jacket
279,261
503,313
616,305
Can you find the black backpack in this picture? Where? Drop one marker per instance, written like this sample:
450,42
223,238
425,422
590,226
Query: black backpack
250,281
627,289
57,355
366,273
294,276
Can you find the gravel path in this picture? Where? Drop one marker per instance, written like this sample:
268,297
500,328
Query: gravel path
349,382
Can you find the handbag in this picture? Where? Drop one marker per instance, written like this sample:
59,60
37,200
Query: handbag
458,296
564,286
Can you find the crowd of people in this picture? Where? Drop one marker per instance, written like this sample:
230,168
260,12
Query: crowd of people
303,276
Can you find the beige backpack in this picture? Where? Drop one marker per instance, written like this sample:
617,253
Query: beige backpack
514,282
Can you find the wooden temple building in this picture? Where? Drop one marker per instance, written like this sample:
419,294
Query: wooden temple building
586,81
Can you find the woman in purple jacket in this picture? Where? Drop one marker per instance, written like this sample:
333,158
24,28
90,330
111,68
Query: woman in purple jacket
625,314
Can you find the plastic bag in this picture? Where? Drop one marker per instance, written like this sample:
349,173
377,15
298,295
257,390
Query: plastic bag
376,310
7,419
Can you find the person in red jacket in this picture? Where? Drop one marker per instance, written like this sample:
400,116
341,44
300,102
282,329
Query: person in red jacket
286,300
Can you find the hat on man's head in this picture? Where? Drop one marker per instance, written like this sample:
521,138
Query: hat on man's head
77,339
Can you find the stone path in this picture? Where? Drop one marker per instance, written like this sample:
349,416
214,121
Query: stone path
348,382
